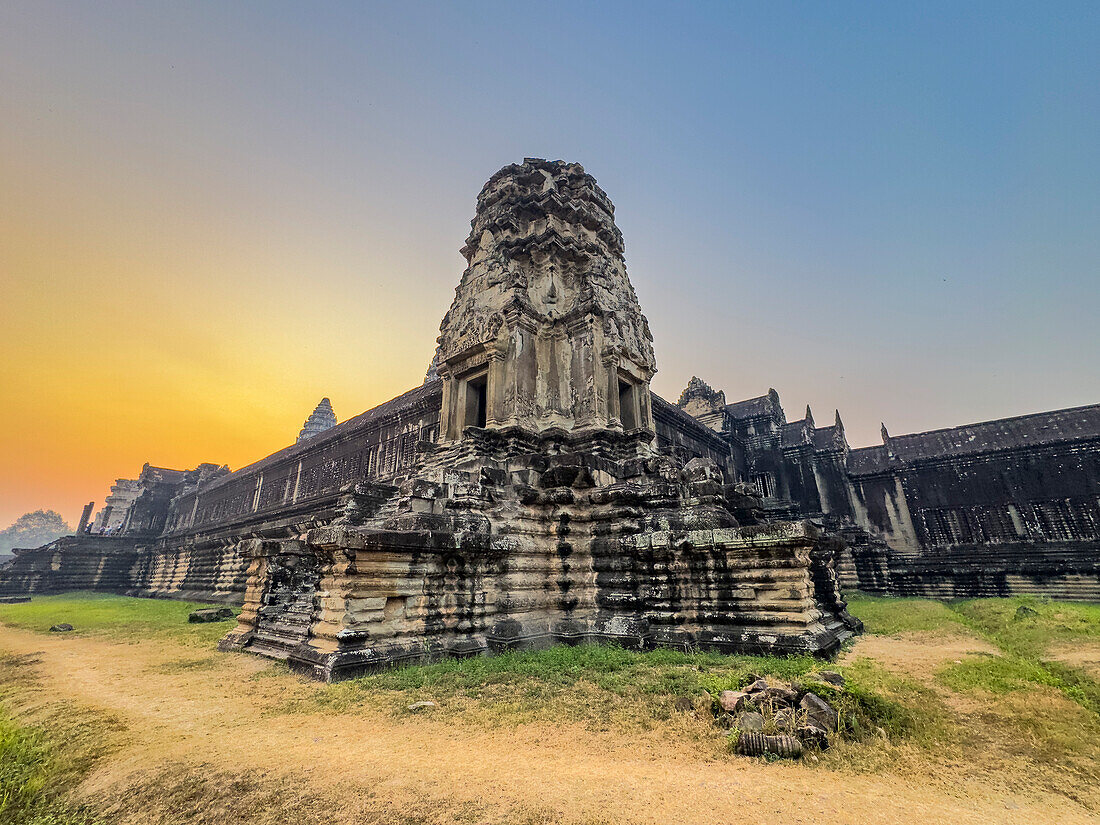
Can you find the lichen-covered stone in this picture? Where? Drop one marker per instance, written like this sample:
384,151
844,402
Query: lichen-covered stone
749,720
785,719
820,712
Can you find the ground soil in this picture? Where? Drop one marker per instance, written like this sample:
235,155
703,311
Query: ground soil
917,654
211,737
1083,655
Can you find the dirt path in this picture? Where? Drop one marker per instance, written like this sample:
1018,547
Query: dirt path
227,715
1083,655
916,654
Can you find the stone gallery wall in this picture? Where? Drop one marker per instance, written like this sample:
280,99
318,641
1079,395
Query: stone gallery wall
213,572
996,508
71,563
677,430
999,507
380,443
195,554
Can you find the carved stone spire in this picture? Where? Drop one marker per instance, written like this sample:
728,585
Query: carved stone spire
698,388
322,418
886,441
703,402
545,330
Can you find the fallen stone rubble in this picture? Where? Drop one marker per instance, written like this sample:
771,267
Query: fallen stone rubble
780,720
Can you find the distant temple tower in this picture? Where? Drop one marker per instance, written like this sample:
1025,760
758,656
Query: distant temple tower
322,418
545,331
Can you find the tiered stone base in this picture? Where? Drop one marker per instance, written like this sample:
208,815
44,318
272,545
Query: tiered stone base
1061,570
523,553
212,572
72,563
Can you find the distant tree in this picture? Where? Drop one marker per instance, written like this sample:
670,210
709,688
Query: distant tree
33,530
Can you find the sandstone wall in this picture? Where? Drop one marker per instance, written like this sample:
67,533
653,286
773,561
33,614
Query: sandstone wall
71,563
380,443
204,572
210,572
348,601
1061,570
994,522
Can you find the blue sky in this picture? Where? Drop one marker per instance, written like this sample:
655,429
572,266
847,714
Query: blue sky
887,208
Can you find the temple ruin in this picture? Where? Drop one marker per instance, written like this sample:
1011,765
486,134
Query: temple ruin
534,490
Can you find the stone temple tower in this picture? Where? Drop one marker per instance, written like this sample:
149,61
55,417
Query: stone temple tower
545,331
322,418
543,512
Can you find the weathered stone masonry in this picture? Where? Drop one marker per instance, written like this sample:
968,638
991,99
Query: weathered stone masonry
996,508
534,490
531,491
542,512
988,509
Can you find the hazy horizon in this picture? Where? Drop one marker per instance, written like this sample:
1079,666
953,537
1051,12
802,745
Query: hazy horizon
214,215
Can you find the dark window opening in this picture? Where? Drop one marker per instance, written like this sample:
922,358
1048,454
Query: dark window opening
762,486
1044,522
627,414
476,399
408,449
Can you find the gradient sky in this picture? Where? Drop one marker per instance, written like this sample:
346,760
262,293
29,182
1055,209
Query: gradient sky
213,214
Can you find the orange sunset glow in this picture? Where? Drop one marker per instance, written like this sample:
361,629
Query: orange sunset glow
211,218
137,346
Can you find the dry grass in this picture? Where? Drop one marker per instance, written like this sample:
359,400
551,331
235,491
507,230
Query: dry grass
1081,654
185,735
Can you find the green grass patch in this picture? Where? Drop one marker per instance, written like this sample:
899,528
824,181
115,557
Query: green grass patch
41,759
888,616
1030,626
599,686
610,667
996,674
117,617
607,687
877,703
1019,716
1024,628
602,677
30,777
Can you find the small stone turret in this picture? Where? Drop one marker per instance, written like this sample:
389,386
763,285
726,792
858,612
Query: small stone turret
704,403
322,418
545,331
